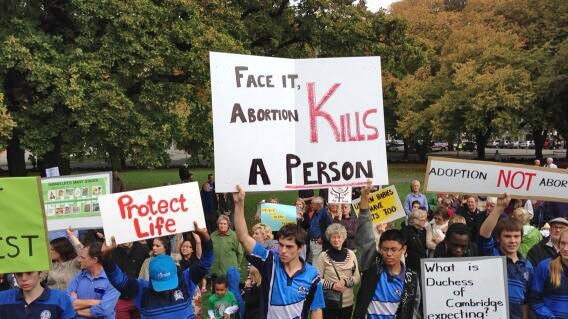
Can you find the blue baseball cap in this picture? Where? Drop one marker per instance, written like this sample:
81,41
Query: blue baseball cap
163,273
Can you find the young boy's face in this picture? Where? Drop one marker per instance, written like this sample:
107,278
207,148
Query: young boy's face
510,241
220,290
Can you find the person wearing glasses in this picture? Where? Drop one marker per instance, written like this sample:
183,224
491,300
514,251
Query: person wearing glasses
32,300
388,288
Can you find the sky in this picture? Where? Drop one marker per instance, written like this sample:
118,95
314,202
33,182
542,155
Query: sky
375,5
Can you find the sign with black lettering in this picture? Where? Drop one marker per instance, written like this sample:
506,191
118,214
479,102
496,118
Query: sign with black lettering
468,287
282,124
23,235
450,175
384,205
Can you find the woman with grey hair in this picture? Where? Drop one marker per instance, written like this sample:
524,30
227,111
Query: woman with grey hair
339,272
415,234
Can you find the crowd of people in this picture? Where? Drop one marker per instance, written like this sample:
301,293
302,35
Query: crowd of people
310,268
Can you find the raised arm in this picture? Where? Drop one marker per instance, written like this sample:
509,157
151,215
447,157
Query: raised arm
74,240
198,248
128,287
365,239
240,222
490,222
202,268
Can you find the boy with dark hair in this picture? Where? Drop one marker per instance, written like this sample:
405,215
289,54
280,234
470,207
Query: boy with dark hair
388,288
520,272
290,287
457,243
32,300
221,304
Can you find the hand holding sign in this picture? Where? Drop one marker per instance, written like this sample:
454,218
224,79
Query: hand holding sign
201,232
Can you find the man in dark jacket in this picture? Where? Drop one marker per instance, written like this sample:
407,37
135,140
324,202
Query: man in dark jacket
548,247
388,288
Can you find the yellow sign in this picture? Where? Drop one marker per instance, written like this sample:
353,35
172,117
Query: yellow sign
384,205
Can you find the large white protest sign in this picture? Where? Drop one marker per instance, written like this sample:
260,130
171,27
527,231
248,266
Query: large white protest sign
282,124
474,287
151,212
492,178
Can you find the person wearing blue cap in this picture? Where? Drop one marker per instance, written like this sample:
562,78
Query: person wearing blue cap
168,293
32,300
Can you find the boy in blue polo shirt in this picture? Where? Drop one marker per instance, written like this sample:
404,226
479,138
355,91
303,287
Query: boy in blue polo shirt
32,300
290,287
520,272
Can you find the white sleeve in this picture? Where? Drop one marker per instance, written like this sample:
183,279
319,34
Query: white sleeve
231,310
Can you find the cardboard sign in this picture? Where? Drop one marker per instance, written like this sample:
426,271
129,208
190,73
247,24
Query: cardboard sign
450,175
23,238
72,201
282,124
151,212
474,287
384,205
339,195
277,215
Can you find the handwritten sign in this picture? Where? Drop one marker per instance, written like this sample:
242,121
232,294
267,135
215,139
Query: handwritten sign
474,287
494,179
151,212
23,237
339,195
306,124
384,205
277,215
72,201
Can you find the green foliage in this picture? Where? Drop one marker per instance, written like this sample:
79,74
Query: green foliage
6,124
489,66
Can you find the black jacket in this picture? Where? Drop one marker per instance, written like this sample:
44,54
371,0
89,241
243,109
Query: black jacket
369,280
540,252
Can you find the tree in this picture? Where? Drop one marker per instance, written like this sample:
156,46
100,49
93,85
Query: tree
476,71
6,124
109,79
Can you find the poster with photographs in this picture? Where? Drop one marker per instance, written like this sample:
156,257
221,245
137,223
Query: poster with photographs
71,201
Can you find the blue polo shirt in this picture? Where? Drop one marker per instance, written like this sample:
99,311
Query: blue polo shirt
51,304
520,275
387,296
548,301
100,288
284,297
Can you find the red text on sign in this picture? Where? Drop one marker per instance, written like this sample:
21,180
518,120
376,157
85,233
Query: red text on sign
150,210
345,132
515,180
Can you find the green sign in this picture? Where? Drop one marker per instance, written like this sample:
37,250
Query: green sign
23,237
72,201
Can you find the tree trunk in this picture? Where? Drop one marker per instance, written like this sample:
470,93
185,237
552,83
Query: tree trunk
16,156
480,143
55,158
405,154
539,136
